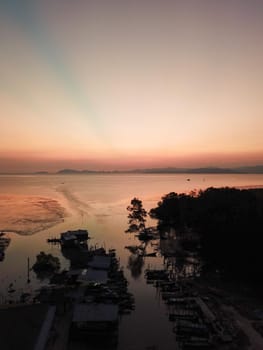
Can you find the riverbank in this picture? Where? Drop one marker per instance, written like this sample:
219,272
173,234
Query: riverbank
240,303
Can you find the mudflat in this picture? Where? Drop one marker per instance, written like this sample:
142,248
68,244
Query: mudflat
26,215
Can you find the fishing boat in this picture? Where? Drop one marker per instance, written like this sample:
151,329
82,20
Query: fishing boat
151,254
53,240
4,241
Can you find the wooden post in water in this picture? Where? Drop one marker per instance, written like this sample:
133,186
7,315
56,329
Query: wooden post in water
28,266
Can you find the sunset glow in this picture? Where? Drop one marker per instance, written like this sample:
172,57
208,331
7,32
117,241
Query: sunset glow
119,85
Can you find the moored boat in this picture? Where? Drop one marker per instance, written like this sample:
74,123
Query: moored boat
4,241
73,238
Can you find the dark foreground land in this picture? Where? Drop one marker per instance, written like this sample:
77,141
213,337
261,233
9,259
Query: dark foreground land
210,281
20,325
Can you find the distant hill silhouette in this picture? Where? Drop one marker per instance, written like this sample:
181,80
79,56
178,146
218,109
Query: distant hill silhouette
73,171
41,172
210,170
258,169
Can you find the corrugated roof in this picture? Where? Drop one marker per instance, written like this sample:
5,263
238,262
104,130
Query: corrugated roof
100,262
91,275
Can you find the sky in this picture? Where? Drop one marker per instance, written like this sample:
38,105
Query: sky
125,84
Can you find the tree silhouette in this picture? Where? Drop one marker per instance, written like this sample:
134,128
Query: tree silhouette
45,265
137,216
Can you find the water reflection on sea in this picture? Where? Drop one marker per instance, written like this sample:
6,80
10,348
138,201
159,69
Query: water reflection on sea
98,203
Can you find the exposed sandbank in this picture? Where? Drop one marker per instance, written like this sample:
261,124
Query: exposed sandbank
27,215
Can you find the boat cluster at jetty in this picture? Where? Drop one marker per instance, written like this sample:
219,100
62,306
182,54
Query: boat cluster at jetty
94,289
198,322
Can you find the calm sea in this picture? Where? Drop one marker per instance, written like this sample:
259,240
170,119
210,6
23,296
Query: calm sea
98,203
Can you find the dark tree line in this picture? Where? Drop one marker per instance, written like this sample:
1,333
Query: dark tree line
230,225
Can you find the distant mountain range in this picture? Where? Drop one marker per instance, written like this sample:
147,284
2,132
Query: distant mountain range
258,169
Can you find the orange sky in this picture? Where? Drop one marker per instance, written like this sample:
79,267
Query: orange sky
117,85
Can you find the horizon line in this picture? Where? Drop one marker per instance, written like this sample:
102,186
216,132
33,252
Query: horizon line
244,169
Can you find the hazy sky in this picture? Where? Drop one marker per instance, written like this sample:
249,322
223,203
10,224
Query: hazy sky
124,84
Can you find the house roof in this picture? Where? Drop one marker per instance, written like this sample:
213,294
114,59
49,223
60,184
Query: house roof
91,275
100,262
